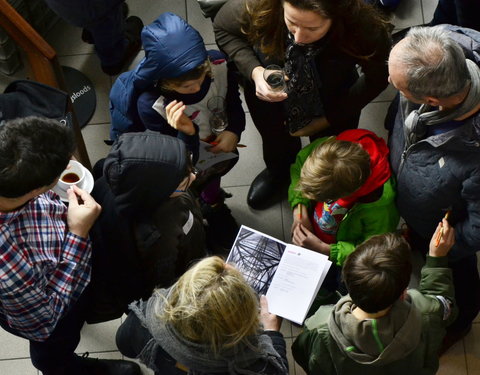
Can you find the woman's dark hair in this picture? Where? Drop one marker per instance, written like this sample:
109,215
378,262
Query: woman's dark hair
33,153
356,25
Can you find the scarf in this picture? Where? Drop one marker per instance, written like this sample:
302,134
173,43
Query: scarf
303,86
417,121
198,357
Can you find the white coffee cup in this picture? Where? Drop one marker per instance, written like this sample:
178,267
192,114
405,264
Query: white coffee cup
72,175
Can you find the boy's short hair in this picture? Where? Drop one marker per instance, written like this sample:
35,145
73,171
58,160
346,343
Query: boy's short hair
33,153
212,304
333,170
378,271
168,84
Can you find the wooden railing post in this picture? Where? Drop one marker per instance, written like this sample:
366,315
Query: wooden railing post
43,62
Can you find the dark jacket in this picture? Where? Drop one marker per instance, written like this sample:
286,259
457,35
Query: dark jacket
156,39
442,171
405,341
343,92
143,238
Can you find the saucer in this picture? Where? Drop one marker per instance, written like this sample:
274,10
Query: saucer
86,184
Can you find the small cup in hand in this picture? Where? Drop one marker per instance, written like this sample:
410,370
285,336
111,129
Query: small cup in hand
72,175
274,75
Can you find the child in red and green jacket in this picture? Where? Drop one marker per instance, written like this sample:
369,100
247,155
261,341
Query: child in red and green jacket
342,193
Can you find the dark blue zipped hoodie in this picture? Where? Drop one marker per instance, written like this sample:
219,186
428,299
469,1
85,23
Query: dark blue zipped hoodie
172,48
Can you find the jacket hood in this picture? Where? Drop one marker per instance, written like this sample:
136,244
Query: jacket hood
172,48
143,169
376,341
380,170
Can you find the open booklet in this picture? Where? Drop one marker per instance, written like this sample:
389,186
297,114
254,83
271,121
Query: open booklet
290,276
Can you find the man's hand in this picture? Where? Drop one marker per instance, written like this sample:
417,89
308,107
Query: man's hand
82,211
226,141
270,322
442,240
263,90
177,119
304,238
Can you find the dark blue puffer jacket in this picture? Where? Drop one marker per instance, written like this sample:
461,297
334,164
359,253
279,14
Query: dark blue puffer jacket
172,48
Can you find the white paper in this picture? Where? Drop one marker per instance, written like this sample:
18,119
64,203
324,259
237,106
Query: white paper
296,282
206,159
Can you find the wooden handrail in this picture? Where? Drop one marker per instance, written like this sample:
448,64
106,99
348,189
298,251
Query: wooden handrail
44,64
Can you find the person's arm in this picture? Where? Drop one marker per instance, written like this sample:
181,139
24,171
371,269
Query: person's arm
271,324
467,231
372,81
436,285
34,302
235,112
227,140
230,38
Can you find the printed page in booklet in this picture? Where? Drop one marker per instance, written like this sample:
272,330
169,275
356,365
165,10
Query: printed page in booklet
296,282
290,276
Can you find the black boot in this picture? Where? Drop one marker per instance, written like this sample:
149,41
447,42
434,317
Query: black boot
94,366
267,189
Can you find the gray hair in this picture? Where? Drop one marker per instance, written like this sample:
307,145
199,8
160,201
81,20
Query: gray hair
436,64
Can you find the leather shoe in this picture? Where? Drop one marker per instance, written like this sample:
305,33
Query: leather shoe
95,366
266,189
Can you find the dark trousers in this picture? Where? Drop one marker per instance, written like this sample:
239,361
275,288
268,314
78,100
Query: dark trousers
103,19
458,12
131,339
279,147
55,356
466,282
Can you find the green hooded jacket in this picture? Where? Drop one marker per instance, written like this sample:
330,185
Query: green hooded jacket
361,222
405,341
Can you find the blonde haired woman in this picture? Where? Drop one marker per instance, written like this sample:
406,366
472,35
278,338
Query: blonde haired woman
206,323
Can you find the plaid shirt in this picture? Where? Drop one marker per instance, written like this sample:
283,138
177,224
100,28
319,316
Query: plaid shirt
43,267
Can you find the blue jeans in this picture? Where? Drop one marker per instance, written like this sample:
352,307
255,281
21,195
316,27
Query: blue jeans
103,19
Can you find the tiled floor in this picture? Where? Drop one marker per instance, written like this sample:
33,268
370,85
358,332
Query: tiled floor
463,358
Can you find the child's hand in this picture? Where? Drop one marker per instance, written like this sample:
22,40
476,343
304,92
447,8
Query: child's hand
226,141
270,322
304,238
300,216
263,90
177,119
442,240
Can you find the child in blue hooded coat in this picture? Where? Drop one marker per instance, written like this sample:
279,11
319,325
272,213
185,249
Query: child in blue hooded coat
169,91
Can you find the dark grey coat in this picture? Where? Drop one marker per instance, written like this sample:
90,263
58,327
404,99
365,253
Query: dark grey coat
441,171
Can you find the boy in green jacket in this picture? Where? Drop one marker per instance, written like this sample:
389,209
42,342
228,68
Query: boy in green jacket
342,193
380,327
